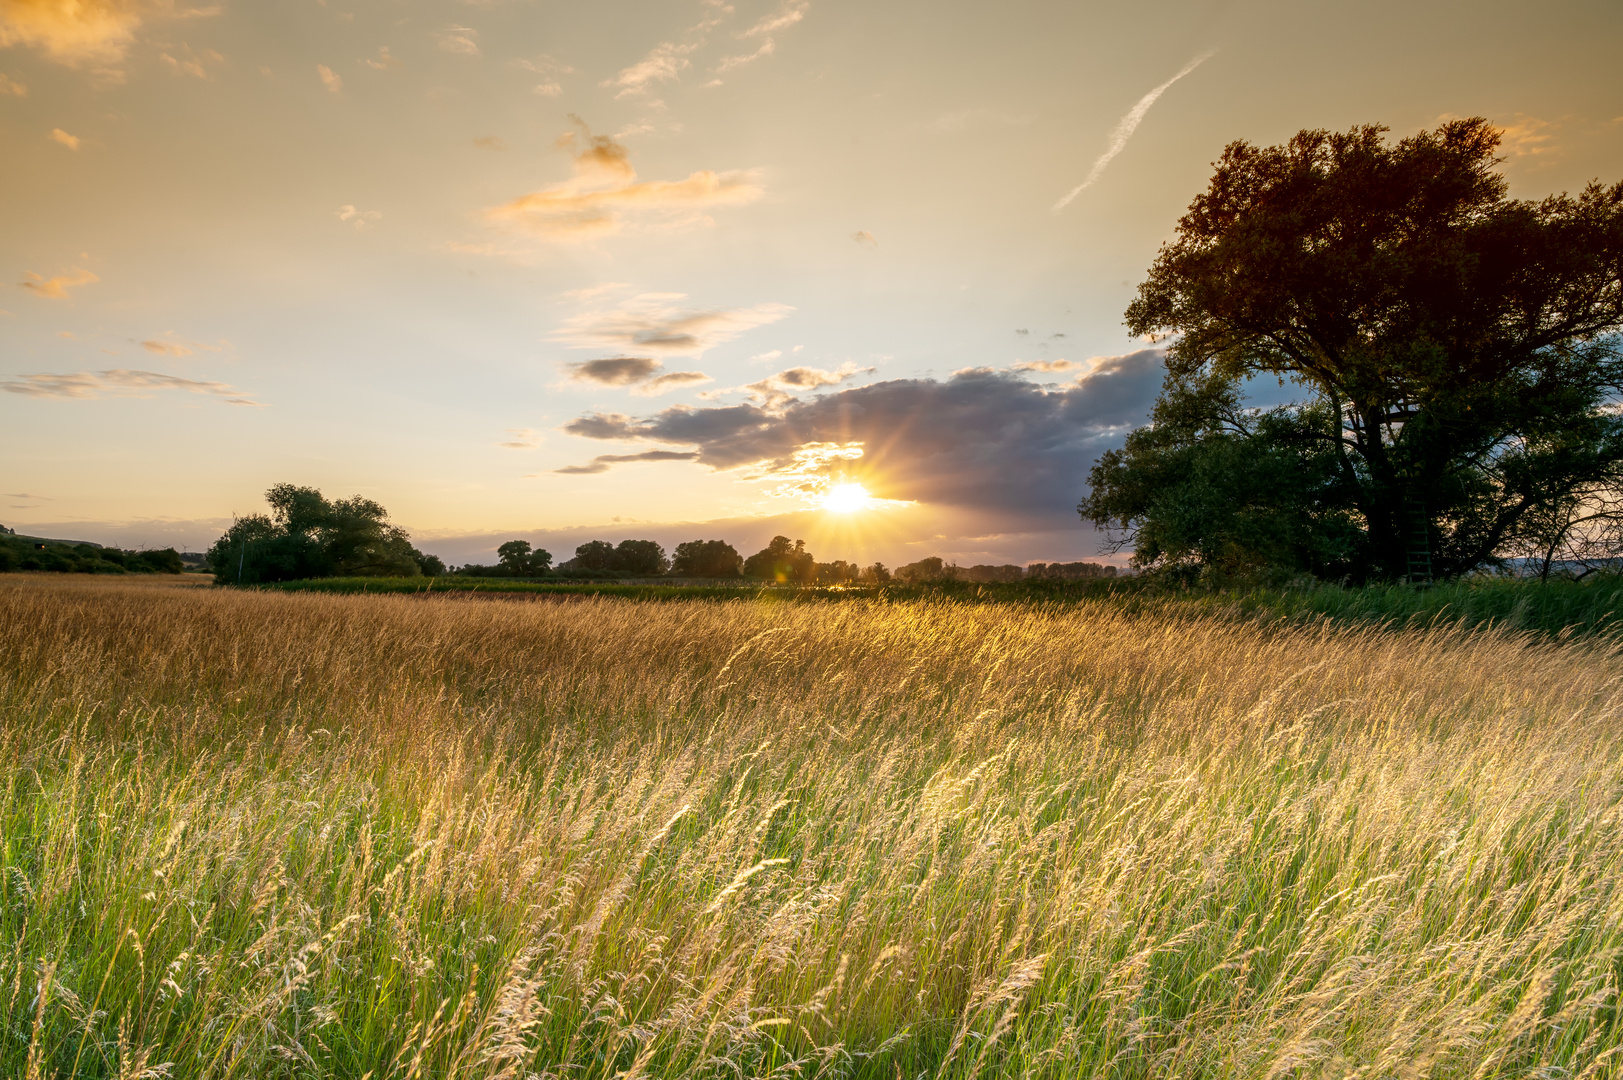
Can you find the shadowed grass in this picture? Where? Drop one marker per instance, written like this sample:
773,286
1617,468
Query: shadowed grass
260,834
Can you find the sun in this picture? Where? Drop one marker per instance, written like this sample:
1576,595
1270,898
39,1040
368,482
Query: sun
847,497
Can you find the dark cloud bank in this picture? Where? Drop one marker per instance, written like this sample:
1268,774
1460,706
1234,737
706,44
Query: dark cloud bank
990,444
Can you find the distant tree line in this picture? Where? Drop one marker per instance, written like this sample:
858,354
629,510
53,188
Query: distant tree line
26,553
307,535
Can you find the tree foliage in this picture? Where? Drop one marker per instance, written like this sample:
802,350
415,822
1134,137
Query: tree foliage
1457,348
706,559
307,535
782,560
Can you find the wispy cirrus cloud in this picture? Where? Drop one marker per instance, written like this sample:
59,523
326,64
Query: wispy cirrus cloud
763,31
56,288
118,382
192,63
463,40
10,87
1126,126
79,33
57,135
659,322
605,195
551,72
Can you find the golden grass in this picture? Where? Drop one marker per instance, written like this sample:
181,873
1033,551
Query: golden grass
264,835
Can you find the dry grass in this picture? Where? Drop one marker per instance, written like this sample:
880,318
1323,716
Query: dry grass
265,835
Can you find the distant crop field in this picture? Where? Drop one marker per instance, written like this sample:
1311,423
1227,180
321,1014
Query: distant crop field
272,834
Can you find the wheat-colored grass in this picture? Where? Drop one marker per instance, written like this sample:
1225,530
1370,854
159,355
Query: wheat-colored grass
294,835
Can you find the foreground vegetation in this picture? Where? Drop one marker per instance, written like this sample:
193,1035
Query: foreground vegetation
1560,607
247,833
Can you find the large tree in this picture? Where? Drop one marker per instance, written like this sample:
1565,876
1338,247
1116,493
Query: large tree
1458,349
307,535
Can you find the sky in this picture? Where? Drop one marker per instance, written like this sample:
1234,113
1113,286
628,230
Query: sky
681,270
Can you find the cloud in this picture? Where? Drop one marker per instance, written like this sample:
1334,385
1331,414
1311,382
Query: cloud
768,25
358,217
667,60
11,88
329,78
656,322
384,60
57,288
604,191
592,292
193,64
639,373
490,142
522,438
674,380
83,32
1046,366
1527,137
459,39
863,236
775,390
616,371
166,348
69,141
119,382
602,462
1013,453
551,71
1127,125
770,354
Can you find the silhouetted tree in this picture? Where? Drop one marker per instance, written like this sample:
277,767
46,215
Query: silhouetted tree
309,536
706,559
783,561
644,558
877,574
594,555
1459,349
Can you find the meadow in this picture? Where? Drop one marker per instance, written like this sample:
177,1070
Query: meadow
263,834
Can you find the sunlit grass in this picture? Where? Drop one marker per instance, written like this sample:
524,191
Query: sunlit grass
261,834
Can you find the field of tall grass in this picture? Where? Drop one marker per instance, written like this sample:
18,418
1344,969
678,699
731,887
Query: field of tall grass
258,834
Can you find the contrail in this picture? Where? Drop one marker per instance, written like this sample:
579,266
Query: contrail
1127,125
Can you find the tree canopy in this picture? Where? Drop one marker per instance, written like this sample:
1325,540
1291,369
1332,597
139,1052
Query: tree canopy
782,560
307,535
1457,349
706,559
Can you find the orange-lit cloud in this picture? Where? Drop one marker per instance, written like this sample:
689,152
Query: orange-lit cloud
551,71
60,136
166,348
1527,137
490,142
776,390
358,218
656,322
119,382
192,63
81,32
329,78
604,193
863,236
56,288
1046,366
763,30
12,88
